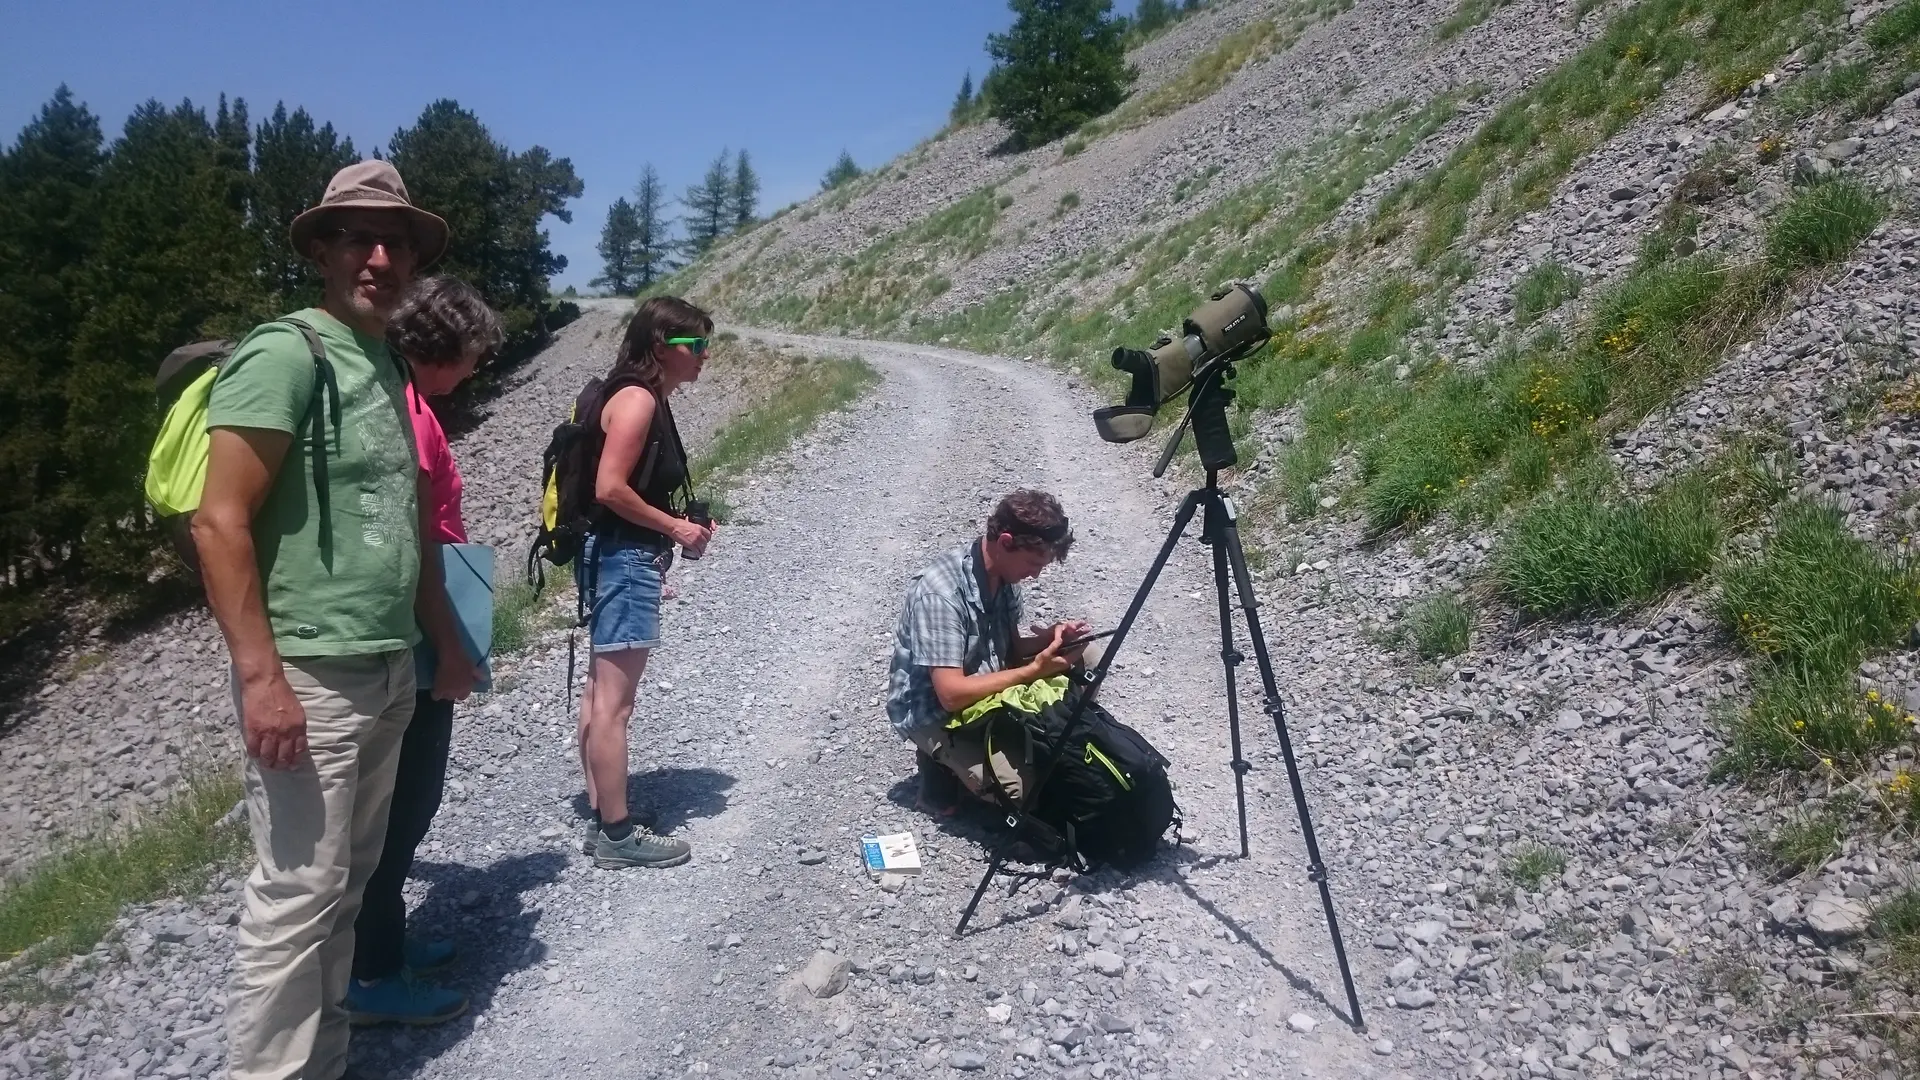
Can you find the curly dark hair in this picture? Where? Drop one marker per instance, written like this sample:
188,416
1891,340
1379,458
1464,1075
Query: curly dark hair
441,319
1035,520
657,319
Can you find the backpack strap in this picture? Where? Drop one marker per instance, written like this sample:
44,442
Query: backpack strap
325,404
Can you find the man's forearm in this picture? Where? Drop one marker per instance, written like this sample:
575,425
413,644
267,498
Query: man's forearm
234,593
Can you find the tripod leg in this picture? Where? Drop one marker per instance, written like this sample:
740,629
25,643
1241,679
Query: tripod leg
1229,540
1230,657
1180,520
986,879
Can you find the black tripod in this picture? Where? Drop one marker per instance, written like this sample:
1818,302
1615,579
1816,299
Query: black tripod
1219,530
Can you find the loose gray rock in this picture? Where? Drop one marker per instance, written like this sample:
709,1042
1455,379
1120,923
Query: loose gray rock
1408,997
826,974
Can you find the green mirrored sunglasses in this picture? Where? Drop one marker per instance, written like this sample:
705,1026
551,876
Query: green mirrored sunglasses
698,345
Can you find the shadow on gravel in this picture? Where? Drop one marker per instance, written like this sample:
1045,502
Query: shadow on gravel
480,909
1241,934
978,823
666,799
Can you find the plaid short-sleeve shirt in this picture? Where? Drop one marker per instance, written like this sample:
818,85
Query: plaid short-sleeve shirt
949,620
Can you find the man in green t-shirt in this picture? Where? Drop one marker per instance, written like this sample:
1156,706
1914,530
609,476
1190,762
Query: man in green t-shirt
315,576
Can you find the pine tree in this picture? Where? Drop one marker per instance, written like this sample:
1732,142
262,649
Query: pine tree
843,170
493,201
653,243
1151,15
618,239
962,109
744,195
1063,63
175,263
48,231
708,204
292,162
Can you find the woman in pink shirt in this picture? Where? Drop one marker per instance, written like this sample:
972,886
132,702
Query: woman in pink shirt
443,328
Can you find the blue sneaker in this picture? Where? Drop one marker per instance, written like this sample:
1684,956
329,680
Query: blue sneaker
428,954
402,1000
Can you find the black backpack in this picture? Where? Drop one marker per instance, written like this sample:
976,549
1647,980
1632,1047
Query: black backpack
1108,799
569,512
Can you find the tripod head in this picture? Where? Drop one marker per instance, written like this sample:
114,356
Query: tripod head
1207,401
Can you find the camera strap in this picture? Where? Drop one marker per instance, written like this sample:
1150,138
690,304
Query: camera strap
671,431
680,448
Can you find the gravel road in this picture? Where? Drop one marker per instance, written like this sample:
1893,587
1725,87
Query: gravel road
761,738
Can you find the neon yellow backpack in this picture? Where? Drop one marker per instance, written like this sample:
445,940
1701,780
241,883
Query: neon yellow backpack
177,463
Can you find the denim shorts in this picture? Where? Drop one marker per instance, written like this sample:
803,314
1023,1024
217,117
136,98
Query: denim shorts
624,595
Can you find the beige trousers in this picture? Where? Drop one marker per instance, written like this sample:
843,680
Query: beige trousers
964,754
317,832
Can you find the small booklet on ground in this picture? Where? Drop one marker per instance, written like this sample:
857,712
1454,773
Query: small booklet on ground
895,853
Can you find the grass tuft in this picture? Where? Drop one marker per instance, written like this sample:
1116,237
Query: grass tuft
1582,550
1543,289
1822,225
517,616
1897,26
1810,606
1440,626
68,901
1469,14
1817,591
1806,840
1532,864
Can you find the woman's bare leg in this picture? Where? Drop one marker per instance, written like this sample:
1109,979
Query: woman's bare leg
615,678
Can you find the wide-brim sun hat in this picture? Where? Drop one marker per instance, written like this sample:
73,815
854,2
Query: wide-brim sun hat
371,185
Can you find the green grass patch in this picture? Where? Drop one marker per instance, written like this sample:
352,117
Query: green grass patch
1667,324
1469,14
1202,77
1194,184
1815,590
1259,232
1588,550
1439,626
1897,922
519,615
1822,224
810,388
1534,139
878,287
1542,290
1810,606
69,900
1896,27
1532,864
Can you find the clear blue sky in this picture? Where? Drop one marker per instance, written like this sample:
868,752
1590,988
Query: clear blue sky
610,86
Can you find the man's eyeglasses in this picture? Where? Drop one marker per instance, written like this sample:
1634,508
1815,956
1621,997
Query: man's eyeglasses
695,345
363,240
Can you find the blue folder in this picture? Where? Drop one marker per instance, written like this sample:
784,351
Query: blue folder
469,575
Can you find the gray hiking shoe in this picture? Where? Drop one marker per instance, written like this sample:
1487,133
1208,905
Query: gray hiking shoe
644,848
644,817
